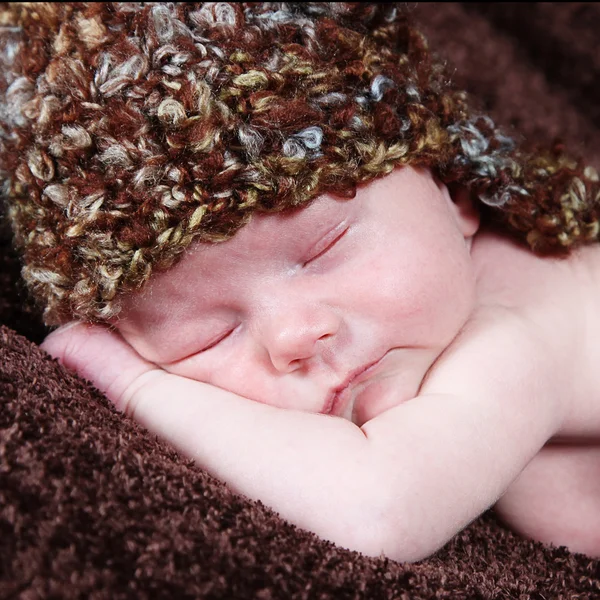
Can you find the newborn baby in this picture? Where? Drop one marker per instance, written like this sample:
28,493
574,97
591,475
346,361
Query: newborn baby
276,235
454,355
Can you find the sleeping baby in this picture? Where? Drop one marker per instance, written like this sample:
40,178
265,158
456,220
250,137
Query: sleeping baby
275,235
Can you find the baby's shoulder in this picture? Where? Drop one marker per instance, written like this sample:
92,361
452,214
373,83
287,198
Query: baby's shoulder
499,360
535,329
509,271
497,347
556,296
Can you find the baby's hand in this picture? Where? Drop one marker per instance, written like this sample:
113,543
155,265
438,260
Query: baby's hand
166,404
104,358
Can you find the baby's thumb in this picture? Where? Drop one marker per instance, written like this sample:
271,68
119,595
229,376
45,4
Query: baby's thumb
100,356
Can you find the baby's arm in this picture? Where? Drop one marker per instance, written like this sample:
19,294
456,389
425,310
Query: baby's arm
401,485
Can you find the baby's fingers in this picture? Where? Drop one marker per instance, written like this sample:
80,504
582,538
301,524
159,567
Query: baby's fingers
102,357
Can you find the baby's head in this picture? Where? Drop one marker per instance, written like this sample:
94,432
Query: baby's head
297,304
243,137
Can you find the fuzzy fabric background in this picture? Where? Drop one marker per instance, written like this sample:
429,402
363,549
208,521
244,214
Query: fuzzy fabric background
91,506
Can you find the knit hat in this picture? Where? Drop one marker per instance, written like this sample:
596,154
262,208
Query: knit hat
129,130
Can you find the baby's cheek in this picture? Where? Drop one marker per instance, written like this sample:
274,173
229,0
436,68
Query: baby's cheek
231,373
190,369
245,381
400,294
259,383
436,298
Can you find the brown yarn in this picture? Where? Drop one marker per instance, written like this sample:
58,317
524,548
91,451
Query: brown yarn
128,131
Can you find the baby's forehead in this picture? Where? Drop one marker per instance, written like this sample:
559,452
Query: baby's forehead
278,240
207,270
294,223
268,235
271,234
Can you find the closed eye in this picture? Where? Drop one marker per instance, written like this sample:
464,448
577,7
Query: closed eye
216,341
210,345
328,244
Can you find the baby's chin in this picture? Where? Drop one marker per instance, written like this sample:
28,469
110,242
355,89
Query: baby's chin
378,396
397,379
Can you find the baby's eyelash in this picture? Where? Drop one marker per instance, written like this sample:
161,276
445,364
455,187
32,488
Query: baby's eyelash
328,247
216,341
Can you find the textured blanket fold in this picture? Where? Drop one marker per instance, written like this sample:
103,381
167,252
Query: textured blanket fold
93,506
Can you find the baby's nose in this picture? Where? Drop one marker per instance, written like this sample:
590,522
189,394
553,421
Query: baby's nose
294,336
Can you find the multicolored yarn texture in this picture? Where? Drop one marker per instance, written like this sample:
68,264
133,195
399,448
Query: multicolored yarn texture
130,130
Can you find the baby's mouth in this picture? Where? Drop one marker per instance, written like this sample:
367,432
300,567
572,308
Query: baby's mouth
338,397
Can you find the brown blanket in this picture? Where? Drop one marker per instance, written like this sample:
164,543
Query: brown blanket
92,506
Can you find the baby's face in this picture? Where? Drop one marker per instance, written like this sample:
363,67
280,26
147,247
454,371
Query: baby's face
340,308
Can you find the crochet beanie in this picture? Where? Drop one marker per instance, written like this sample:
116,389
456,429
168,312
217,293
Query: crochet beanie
130,130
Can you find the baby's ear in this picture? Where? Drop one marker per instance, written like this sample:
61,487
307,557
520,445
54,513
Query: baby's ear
464,208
